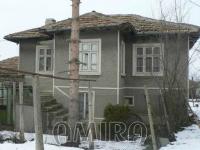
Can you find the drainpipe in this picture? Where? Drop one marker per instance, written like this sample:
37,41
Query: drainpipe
118,64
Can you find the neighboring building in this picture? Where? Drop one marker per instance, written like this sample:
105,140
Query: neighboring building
6,89
121,52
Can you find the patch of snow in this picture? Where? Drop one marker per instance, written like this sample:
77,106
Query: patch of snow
52,144
111,145
195,107
31,146
187,139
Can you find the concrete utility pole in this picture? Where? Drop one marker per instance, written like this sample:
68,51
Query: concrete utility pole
153,137
21,112
39,145
91,117
74,68
14,103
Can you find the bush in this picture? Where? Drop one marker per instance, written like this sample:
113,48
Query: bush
113,114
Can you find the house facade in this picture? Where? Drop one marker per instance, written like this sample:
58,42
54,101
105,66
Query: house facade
121,52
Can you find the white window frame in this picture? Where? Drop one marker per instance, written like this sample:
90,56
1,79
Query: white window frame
98,72
122,58
134,60
133,100
45,47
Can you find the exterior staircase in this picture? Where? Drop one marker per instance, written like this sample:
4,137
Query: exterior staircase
52,111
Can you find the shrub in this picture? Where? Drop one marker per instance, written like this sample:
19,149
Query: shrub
113,114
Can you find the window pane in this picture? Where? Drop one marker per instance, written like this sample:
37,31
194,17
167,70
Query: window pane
139,64
149,50
148,64
94,67
48,51
156,64
129,100
93,58
81,105
81,60
41,64
41,51
156,50
86,47
94,46
139,51
85,61
48,64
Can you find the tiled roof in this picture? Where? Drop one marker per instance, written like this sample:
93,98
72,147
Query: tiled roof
11,63
148,25
95,20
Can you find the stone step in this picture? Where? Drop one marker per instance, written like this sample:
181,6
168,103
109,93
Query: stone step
48,102
63,117
46,97
59,112
52,107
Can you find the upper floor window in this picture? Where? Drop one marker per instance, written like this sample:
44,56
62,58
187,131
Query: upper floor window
147,59
44,59
122,58
90,57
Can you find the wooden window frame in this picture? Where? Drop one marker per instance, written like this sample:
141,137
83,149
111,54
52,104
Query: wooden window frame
134,59
133,99
85,72
45,47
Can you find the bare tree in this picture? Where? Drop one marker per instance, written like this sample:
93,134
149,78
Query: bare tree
74,68
194,3
174,84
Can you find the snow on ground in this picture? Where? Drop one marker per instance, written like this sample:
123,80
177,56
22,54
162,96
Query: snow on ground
189,138
111,145
195,109
49,140
31,146
52,144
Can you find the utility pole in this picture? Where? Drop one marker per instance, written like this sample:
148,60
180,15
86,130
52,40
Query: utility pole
91,117
21,112
74,69
14,104
39,145
153,137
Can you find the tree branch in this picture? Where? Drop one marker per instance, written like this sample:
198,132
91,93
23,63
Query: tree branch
194,3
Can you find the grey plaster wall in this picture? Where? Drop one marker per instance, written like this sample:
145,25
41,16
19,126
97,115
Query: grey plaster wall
28,119
171,56
28,62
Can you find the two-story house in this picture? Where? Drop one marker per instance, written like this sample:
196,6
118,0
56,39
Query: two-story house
121,52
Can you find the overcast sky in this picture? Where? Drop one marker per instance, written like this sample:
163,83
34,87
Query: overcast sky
18,15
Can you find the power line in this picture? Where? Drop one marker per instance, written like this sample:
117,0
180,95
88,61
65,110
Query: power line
42,75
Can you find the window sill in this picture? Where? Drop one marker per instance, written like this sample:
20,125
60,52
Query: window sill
90,73
123,75
149,74
42,72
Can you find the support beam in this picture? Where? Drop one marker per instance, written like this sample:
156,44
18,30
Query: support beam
14,103
37,114
21,112
9,105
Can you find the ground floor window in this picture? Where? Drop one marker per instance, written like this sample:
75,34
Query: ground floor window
129,100
84,104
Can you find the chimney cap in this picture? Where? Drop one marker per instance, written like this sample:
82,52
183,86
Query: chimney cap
50,21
